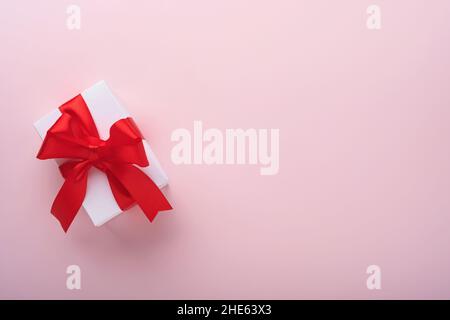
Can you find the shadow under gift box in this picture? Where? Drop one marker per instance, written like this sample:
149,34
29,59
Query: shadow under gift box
99,201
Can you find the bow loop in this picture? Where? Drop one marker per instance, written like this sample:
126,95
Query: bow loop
125,144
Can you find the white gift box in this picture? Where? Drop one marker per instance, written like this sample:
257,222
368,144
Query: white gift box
99,201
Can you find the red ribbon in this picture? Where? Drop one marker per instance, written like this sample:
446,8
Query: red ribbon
74,136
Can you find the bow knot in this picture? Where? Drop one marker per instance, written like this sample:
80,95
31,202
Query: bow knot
74,136
98,153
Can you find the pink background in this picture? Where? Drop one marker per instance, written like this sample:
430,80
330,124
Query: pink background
364,151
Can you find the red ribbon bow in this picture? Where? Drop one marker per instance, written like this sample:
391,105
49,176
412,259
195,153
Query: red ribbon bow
74,136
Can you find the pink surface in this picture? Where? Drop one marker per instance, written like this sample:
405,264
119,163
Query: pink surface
364,148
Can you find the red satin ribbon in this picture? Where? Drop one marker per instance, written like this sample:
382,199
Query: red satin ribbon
74,136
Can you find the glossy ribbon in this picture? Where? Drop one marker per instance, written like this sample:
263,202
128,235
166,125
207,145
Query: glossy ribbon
74,137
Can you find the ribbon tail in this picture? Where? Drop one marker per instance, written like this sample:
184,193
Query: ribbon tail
121,194
69,200
141,188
